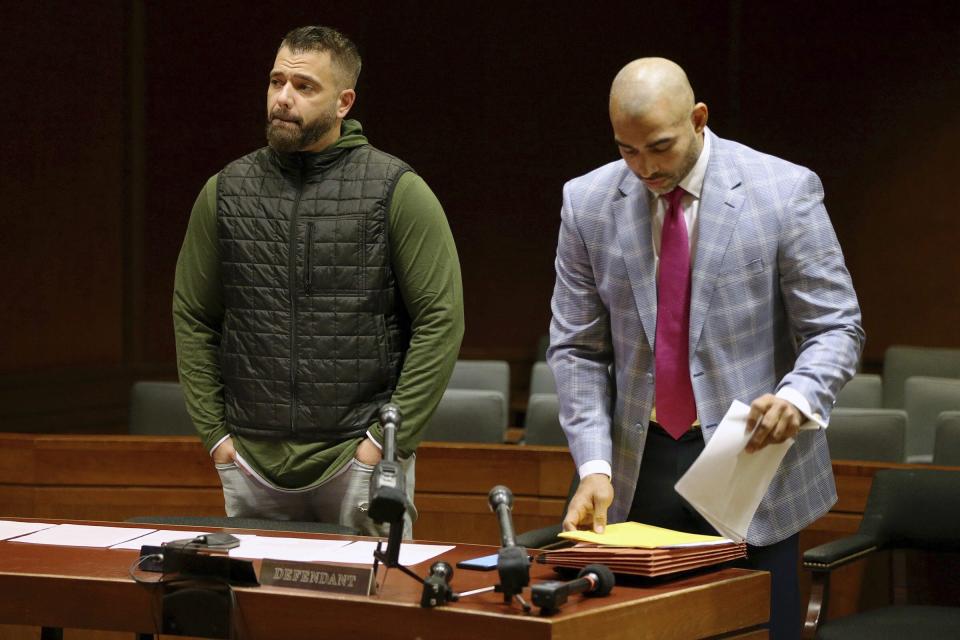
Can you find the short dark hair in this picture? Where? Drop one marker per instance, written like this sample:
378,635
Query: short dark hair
343,53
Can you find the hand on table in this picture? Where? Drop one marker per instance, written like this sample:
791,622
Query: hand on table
588,507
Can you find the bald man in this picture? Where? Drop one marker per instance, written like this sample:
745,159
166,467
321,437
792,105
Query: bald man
693,272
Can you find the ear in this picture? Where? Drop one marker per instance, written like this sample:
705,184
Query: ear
345,102
699,117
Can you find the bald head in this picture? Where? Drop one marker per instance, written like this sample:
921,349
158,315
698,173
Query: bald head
651,84
656,125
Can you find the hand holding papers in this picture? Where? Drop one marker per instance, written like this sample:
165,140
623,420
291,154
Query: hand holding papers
725,483
640,549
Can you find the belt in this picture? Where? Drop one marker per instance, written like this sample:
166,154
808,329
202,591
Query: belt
694,427
653,420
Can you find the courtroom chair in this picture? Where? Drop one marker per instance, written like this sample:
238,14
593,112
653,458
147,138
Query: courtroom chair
541,379
864,391
901,362
877,435
542,425
489,375
469,415
906,509
159,408
225,522
946,444
925,399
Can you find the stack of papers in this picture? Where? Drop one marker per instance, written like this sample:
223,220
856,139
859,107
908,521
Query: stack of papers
644,550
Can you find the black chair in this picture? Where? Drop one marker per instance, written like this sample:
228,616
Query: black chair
906,509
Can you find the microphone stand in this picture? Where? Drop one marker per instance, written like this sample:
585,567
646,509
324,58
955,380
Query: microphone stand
388,498
514,569
388,504
513,564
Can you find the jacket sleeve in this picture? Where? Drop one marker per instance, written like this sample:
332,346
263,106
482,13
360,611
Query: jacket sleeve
581,350
424,259
198,316
818,297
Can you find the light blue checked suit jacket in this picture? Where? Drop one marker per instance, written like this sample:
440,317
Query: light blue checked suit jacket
772,305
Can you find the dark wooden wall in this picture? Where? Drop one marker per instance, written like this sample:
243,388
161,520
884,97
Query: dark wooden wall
115,113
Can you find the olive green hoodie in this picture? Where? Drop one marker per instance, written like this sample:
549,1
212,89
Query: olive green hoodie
424,259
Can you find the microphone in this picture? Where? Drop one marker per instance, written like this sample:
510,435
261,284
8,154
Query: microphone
593,580
436,586
390,421
388,496
501,503
513,563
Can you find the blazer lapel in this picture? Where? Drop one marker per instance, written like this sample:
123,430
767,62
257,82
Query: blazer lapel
631,214
720,204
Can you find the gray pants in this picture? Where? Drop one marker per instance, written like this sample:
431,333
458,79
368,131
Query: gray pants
343,499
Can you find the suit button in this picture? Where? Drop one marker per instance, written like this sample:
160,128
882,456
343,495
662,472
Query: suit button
649,377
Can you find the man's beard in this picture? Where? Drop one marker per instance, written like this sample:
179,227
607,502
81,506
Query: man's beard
690,159
290,139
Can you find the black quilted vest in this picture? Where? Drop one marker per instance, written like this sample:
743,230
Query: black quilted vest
314,330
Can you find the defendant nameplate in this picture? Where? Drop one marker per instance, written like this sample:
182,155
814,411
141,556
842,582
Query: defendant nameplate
338,578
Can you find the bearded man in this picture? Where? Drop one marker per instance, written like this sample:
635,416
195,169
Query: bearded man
318,280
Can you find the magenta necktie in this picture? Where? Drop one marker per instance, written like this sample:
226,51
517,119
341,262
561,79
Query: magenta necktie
676,407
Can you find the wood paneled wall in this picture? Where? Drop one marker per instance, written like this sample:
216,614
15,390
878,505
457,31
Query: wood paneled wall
120,111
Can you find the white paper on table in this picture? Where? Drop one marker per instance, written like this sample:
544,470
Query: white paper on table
158,538
361,552
12,529
83,535
280,548
725,483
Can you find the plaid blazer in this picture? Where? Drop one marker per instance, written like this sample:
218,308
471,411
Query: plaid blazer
772,305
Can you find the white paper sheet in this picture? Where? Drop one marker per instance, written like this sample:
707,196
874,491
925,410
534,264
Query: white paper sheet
725,483
361,552
157,538
81,535
12,529
277,548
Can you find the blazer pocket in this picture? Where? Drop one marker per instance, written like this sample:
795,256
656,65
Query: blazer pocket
741,274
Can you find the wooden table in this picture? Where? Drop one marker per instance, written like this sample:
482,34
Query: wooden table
90,588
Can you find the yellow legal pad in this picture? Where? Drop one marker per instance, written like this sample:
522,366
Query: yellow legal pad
642,536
